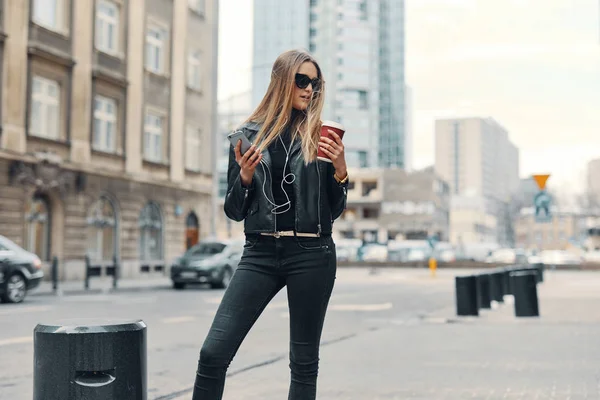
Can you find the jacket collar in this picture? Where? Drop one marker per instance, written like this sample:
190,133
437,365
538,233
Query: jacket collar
253,128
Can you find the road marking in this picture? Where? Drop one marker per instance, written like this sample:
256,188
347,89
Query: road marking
361,307
178,320
24,310
16,340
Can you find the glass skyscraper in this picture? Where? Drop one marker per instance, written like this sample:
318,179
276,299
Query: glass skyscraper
360,47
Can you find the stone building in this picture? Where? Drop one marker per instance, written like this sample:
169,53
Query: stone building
391,204
107,112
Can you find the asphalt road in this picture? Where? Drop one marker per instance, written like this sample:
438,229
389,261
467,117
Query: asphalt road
178,321
392,335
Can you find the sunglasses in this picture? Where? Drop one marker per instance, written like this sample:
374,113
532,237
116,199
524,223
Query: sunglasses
302,81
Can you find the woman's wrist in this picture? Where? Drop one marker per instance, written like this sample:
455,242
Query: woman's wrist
341,173
245,181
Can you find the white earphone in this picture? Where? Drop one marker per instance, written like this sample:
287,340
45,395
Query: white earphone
287,178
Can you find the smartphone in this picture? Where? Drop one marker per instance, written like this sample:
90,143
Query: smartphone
236,136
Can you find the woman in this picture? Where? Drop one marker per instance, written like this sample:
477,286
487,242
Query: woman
288,201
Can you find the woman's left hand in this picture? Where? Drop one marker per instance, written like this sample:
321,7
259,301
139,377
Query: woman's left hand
334,149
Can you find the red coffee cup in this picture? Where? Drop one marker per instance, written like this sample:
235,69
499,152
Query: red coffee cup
325,127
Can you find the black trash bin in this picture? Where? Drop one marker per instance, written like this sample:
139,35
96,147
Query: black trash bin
524,285
466,296
90,360
483,289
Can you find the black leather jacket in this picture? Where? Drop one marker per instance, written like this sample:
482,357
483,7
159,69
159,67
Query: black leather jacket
319,198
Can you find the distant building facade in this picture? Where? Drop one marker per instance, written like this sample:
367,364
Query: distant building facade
481,165
567,228
391,204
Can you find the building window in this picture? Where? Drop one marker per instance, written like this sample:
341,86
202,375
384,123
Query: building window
156,42
107,27
151,233
362,159
192,230
37,222
153,137
368,187
362,7
194,73
45,108
193,142
370,213
363,100
49,14
105,124
222,185
198,6
102,230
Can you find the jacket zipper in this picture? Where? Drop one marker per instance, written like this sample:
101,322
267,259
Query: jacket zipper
319,199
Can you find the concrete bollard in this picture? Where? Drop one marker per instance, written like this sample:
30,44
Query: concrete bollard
483,290
91,360
88,266
54,274
506,275
497,286
467,302
540,272
116,271
524,285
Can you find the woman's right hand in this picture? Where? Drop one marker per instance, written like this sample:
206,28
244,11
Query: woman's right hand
247,162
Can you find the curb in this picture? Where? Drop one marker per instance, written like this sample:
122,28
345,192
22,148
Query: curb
93,291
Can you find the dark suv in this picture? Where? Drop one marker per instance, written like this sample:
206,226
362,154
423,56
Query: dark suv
210,261
20,271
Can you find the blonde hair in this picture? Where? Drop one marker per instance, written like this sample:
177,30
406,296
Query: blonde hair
275,109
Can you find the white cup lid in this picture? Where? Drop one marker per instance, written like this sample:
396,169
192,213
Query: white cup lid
334,124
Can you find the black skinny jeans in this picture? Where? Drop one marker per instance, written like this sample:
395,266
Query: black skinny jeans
307,267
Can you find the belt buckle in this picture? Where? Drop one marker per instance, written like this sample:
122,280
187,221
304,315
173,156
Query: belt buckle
277,235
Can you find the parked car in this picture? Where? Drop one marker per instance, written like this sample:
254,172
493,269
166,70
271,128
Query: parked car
559,257
373,252
20,271
507,256
210,261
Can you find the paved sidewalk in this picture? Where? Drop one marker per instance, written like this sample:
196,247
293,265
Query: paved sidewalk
103,285
440,356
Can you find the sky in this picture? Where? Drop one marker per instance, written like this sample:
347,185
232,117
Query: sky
533,65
